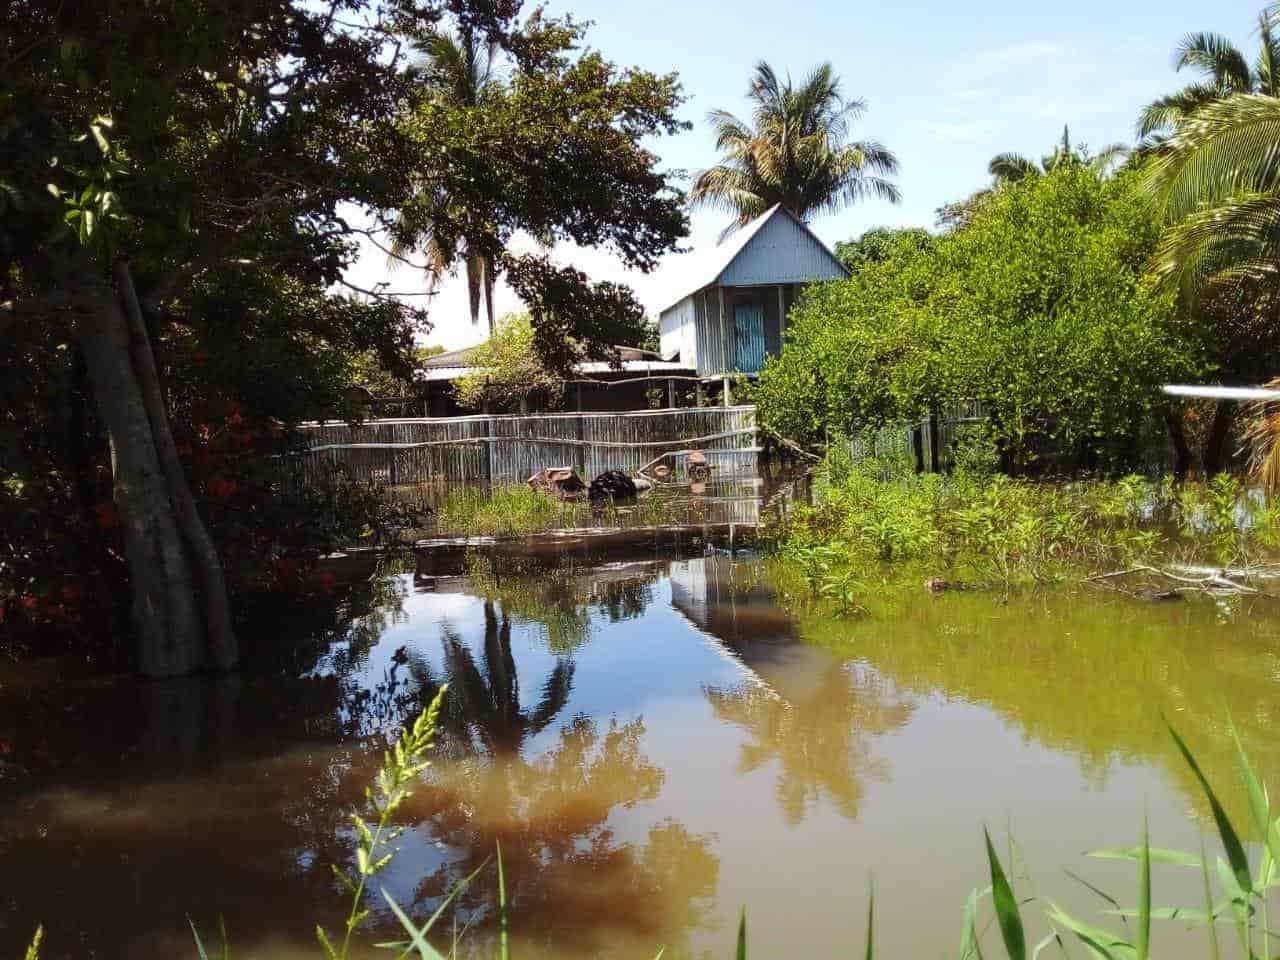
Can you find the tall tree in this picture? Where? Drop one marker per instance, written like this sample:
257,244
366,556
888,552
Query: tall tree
557,151
794,151
459,70
1225,71
133,168
1014,167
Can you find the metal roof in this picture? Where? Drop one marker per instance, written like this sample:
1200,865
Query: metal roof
646,367
709,265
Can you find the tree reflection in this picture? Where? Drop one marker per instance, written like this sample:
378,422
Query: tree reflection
562,858
821,743
489,700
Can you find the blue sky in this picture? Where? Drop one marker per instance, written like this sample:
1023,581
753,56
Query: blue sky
948,85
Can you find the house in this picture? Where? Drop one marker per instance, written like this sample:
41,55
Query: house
596,385
733,311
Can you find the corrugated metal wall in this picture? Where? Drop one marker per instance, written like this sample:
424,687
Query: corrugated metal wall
781,252
510,449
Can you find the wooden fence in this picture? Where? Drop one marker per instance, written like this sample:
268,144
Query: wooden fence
927,443
507,449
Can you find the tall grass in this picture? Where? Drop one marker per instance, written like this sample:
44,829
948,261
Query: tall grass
878,518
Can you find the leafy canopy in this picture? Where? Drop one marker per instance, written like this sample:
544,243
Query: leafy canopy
1038,308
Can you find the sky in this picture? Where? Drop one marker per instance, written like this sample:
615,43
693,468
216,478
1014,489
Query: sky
948,85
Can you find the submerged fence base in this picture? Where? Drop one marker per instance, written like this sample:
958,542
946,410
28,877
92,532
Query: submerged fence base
507,449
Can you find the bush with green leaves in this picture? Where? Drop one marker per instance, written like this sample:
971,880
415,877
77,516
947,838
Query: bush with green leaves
1038,309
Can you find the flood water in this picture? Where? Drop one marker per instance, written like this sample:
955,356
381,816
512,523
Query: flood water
655,741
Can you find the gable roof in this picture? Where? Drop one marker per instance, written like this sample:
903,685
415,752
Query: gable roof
709,266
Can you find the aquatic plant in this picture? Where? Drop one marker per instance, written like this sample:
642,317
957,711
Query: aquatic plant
878,515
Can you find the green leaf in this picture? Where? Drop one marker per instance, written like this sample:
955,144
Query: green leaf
1006,906
1101,943
1259,802
1178,858
325,944
504,936
969,947
1143,946
741,952
425,950
1230,839
871,911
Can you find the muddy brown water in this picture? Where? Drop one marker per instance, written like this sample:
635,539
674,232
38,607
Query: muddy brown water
656,738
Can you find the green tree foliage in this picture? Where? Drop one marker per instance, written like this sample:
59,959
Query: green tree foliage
508,370
881,243
1038,309
794,151
555,148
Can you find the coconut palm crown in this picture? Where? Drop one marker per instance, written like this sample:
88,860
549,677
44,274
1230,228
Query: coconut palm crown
794,151
459,69
1225,71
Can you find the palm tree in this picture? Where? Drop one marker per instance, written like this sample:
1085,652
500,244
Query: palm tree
1008,168
1225,72
460,70
794,152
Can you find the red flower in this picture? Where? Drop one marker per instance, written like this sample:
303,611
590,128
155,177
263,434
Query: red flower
28,601
327,581
221,487
108,516
235,416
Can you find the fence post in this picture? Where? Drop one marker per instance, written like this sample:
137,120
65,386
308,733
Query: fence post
934,453
488,452
580,454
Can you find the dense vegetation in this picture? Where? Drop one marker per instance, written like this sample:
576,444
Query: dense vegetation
1037,309
175,222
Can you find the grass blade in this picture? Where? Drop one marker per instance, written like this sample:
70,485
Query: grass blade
1177,858
504,932
1102,895
1214,951
1259,802
1230,839
425,950
1143,947
1006,906
970,949
458,888
741,952
871,914
33,949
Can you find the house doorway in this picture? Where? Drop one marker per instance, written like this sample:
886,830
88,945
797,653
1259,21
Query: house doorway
748,337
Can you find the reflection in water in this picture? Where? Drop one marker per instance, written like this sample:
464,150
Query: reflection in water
821,743
569,876
488,703
652,739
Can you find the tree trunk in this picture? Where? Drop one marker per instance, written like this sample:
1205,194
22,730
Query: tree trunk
170,636
490,281
222,640
1215,443
1178,438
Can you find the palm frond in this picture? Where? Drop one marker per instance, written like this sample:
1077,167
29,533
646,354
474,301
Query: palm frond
1217,57
1012,167
1226,149
1231,241
1164,115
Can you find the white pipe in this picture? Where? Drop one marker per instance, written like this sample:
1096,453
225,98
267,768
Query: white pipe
1222,393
